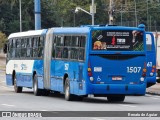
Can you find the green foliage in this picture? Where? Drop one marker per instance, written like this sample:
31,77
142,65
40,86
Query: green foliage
62,13
3,39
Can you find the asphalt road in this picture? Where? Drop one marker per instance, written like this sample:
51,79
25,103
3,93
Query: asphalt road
26,101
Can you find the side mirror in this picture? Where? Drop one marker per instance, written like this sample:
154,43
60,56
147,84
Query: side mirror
5,48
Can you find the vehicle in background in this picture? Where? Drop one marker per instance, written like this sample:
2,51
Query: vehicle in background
157,44
151,59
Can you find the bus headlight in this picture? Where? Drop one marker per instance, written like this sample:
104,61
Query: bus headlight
142,79
151,74
91,79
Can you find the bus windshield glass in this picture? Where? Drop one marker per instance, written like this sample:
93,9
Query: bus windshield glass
117,40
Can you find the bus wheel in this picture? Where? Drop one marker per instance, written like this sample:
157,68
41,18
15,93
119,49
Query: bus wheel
158,80
116,98
17,89
68,96
36,91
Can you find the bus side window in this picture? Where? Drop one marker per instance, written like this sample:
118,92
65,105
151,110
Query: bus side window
35,52
35,42
67,40
81,54
74,54
82,40
29,47
35,47
9,47
65,53
23,47
58,52
40,47
18,48
59,40
13,48
74,41
149,43
54,46
18,43
14,43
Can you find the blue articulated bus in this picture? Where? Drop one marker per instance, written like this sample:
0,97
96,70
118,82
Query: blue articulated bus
107,61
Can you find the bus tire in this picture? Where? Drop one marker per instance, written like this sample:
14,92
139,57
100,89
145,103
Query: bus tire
68,96
116,98
158,72
36,91
17,89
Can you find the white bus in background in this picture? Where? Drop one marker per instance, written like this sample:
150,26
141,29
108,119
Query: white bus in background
157,46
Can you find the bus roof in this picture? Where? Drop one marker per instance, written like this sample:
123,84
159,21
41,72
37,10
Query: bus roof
27,33
75,30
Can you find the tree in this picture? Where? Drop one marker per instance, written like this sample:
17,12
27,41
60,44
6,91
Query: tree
3,39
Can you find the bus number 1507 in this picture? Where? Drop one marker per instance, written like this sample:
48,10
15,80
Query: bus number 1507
133,69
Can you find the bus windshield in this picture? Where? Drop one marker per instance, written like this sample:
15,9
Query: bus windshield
117,40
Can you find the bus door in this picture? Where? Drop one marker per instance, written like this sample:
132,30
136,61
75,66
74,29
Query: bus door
151,59
47,59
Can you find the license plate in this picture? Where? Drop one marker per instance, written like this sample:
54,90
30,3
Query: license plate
116,78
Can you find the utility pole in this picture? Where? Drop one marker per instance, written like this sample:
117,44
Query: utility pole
111,12
37,8
135,11
92,12
20,15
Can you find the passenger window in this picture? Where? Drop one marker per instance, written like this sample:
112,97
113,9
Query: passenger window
59,40
149,42
74,54
35,42
81,54
74,41
82,40
17,53
23,52
40,52
67,41
41,41
18,44
35,52
10,45
29,52
14,43
65,53
12,52
58,52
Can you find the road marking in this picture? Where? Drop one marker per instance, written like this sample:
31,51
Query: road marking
97,119
155,98
7,87
2,81
147,95
43,110
8,105
127,105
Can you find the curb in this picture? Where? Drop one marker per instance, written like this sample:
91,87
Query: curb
153,93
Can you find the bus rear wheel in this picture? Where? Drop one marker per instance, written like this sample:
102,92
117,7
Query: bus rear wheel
36,91
68,96
17,89
116,98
